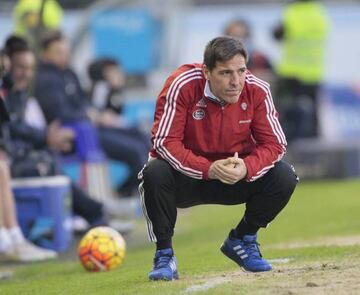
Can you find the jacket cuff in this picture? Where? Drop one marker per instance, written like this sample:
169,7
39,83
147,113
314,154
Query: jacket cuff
205,170
250,170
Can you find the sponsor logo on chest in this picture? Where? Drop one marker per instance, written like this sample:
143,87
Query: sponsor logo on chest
201,103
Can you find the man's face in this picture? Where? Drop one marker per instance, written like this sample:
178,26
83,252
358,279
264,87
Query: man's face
227,79
114,76
58,54
238,31
4,65
22,69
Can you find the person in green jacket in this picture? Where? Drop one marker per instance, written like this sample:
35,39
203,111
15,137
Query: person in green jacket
303,34
34,17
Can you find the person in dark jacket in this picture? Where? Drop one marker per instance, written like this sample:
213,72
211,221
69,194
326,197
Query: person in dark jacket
23,138
13,244
61,97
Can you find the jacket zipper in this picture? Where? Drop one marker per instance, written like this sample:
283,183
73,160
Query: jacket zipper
221,125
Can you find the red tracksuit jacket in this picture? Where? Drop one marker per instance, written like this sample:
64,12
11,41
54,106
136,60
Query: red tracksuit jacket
191,129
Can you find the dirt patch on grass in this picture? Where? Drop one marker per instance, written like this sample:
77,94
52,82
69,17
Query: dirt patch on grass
333,278
326,278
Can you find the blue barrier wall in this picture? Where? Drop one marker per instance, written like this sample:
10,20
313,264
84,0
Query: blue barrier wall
130,35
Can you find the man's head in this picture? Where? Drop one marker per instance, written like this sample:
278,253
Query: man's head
108,70
22,61
238,28
22,69
4,64
55,49
224,67
13,44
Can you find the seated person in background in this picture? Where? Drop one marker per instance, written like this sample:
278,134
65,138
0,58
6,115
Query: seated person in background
61,97
23,139
13,245
107,84
258,63
106,96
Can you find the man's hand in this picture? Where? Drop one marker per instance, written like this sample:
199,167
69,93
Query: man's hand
229,170
3,155
59,138
103,118
108,119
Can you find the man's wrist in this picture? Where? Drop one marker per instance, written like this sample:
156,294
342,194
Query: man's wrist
247,167
208,174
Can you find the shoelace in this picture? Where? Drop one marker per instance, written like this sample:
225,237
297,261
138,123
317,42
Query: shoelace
162,261
252,249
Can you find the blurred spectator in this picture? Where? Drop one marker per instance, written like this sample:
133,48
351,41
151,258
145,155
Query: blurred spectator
61,97
13,245
257,63
106,94
28,146
4,68
33,17
303,33
107,84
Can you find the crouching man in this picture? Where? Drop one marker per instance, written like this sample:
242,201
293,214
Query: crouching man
216,140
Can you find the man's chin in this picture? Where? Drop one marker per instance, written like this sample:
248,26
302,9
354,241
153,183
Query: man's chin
232,99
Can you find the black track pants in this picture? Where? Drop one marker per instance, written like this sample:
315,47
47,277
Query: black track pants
163,190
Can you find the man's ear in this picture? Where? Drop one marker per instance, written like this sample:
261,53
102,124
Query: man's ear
206,72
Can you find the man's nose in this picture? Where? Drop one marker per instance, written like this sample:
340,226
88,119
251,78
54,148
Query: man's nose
235,79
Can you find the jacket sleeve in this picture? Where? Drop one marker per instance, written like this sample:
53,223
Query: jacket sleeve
267,134
22,131
168,131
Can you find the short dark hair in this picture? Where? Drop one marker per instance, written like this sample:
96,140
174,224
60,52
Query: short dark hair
49,38
222,49
97,67
15,44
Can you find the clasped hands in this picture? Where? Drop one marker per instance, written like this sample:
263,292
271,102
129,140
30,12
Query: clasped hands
229,170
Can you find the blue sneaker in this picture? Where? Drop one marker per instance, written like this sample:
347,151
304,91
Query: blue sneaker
246,253
165,266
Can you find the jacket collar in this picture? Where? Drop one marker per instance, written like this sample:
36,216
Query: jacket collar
210,95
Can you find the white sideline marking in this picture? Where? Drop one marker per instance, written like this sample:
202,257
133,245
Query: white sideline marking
320,242
280,260
207,285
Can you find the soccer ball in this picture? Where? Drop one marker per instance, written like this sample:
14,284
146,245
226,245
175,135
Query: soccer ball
101,249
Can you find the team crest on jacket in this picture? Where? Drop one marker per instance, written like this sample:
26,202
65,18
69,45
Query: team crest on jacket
244,106
198,114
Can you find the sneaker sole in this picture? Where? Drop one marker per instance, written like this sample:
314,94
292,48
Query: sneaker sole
175,277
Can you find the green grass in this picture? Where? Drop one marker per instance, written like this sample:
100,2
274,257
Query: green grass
317,210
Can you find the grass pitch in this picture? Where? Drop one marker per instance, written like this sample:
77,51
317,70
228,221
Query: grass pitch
314,244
